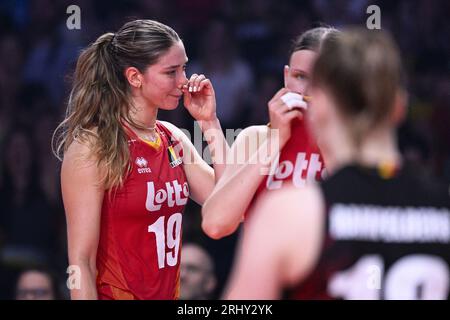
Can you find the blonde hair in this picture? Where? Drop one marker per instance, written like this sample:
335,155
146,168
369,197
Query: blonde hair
99,101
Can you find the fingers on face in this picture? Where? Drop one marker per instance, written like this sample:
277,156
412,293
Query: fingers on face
295,103
284,112
279,94
196,83
294,113
279,109
204,83
285,101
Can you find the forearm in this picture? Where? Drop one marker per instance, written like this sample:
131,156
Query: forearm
217,144
84,287
236,189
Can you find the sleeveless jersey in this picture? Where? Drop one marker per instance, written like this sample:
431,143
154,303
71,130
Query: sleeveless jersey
300,162
140,235
385,237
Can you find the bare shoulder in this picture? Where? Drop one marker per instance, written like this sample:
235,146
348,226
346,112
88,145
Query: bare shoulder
248,141
81,162
291,203
302,200
254,131
172,128
293,217
168,125
81,149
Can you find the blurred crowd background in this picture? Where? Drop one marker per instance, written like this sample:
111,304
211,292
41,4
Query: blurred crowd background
240,45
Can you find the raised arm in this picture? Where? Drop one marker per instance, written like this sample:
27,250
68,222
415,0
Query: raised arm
200,176
82,196
199,99
250,158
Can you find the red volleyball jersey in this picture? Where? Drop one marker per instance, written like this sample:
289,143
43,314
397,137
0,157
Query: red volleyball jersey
138,255
300,162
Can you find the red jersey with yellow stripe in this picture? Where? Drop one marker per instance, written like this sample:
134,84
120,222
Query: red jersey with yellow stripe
138,255
300,162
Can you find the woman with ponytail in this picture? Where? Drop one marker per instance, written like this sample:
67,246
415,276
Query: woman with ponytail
374,229
271,161
125,175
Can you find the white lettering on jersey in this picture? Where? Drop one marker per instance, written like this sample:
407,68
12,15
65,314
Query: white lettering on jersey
286,168
174,193
389,224
412,277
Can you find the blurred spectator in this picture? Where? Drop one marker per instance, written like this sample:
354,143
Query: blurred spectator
53,49
254,31
339,13
198,279
11,64
230,75
26,216
239,45
37,284
48,164
268,85
441,127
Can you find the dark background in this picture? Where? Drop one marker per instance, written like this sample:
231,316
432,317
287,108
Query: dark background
241,45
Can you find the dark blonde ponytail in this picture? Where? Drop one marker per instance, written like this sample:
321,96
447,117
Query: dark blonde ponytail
100,97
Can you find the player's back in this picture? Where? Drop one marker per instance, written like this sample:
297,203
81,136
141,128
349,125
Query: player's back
387,236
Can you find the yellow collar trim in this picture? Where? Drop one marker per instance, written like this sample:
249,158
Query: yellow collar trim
155,144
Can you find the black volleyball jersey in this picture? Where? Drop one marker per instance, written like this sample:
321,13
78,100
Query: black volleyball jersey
386,237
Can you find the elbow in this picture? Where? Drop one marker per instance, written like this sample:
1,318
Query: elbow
213,231
215,228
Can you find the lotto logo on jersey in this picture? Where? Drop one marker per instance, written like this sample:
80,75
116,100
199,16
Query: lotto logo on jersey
142,164
174,194
302,172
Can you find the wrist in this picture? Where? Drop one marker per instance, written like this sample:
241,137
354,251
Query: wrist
212,123
277,140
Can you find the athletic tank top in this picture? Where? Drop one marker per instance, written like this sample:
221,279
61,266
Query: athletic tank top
300,163
386,236
140,235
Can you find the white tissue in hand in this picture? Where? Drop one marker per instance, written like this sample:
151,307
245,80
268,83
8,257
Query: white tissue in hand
294,100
